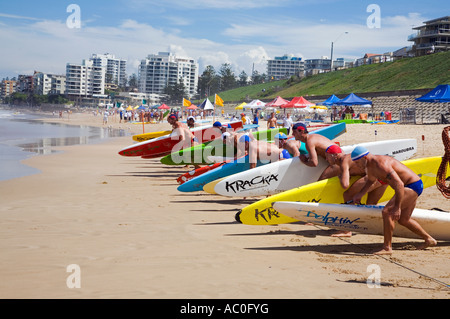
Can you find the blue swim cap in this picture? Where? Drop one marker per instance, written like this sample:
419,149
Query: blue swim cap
281,136
217,124
244,138
359,152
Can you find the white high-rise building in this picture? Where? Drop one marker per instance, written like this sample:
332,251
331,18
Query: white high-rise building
157,71
285,66
45,83
85,79
115,68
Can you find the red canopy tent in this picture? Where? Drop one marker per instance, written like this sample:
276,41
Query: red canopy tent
297,103
277,102
163,107
192,107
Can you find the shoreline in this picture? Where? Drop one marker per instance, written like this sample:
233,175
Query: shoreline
133,235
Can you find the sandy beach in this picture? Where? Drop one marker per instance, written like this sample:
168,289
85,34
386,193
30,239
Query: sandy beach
122,221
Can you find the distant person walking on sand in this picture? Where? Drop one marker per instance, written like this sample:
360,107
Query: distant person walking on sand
105,117
407,186
272,122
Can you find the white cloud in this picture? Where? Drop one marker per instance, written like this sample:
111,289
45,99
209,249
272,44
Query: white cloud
206,4
47,45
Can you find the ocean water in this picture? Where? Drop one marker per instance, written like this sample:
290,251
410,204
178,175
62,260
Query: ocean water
22,136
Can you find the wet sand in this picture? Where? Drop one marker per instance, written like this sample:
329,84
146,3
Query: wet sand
133,235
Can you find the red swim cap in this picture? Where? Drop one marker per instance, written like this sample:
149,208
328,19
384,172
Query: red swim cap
333,149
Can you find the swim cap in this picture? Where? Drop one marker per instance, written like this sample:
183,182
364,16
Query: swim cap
217,124
173,116
300,127
225,135
359,152
333,149
191,118
281,136
244,138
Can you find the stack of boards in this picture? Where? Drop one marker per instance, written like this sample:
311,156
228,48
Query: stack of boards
166,144
242,164
319,203
290,173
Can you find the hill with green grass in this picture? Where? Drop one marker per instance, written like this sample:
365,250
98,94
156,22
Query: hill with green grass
404,74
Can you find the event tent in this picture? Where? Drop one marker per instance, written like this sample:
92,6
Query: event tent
440,94
240,106
163,107
353,99
297,103
255,104
277,102
206,105
330,101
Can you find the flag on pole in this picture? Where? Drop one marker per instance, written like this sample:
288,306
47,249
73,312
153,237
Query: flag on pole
218,100
186,102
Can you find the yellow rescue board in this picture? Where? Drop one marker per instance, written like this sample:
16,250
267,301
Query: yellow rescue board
148,136
326,191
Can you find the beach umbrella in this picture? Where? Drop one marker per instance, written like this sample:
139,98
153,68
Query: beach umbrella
163,107
192,107
129,108
319,107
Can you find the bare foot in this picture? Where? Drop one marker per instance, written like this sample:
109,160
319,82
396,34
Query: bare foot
384,251
430,242
342,234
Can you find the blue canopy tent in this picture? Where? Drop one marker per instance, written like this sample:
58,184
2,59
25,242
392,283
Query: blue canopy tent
330,101
353,99
440,94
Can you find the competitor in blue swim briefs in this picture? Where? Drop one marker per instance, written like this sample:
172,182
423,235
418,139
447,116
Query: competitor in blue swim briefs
407,186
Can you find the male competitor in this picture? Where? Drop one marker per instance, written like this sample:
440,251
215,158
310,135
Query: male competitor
316,144
407,186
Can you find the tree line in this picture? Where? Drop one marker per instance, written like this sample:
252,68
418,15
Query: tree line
212,81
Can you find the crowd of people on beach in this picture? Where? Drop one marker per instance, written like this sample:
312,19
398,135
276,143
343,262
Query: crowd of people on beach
376,172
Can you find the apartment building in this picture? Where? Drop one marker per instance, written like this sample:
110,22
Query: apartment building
7,87
85,79
115,68
433,36
284,67
45,83
157,71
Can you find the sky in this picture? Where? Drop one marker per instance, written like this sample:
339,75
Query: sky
45,35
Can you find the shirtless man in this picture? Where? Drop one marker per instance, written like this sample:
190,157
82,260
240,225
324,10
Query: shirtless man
258,150
315,144
281,141
342,165
190,122
187,138
272,122
407,186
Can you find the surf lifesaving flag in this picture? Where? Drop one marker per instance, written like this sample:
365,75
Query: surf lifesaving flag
186,102
218,101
